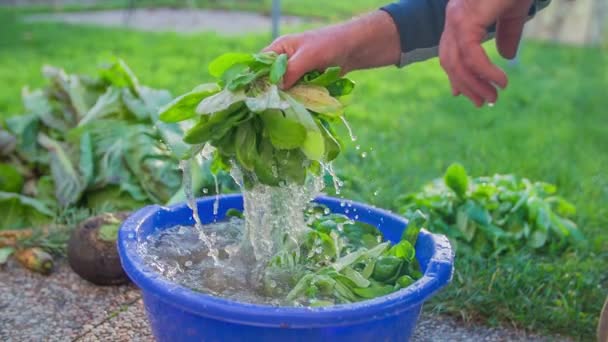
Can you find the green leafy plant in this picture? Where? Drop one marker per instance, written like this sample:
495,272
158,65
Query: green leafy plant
90,142
342,261
496,214
273,136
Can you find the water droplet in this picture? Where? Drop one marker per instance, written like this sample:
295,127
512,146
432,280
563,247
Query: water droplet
326,211
364,154
376,193
358,147
346,211
188,263
272,284
205,190
490,104
356,217
342,204
131,235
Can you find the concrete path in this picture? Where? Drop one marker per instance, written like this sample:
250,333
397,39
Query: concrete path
227,23
63,307
577,22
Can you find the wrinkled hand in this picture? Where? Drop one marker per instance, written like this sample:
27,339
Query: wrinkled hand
461,55
312,50
368,41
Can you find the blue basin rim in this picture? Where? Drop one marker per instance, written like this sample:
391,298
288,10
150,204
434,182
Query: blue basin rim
438,273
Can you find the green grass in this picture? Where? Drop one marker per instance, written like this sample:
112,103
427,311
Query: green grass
550,124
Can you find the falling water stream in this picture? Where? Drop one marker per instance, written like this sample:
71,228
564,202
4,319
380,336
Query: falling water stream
227,258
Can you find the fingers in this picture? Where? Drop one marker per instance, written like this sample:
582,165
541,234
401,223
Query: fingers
301,53
284,44
509,27
478,63
508,35
297,66
446,61
469,69
475,88
463,79
291,46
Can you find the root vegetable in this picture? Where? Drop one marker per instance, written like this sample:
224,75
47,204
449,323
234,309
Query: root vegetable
92,251
35,259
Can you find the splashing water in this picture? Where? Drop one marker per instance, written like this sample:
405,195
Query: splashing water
274,213
216,204
207,155
350,130
240,248
329,168
186,166
178,255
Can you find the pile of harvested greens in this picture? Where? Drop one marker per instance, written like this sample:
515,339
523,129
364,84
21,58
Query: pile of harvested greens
85,145
497,214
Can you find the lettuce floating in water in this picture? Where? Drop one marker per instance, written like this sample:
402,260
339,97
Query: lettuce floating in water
273,136
341,261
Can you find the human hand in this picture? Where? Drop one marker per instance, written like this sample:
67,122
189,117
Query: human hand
461,55
311,50
365,42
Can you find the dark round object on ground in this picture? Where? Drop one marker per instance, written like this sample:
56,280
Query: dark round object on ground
94,258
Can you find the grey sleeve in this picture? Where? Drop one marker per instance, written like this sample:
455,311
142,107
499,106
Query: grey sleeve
420,24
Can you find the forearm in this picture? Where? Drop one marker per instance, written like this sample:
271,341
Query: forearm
372,41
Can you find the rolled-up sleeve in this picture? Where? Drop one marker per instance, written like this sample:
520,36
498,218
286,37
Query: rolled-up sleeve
420,24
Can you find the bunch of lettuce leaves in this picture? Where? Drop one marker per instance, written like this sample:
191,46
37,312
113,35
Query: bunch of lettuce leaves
497,214
273,136
92,142
340,261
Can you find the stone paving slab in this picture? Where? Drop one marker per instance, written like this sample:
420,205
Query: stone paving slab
64,307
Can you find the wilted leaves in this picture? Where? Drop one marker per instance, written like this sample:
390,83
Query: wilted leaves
82,135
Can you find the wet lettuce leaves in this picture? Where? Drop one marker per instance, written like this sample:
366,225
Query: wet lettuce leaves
334,266
276,136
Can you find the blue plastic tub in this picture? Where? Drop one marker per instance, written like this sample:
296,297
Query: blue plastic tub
179,314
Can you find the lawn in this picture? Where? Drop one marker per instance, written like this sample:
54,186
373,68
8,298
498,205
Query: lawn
551,124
